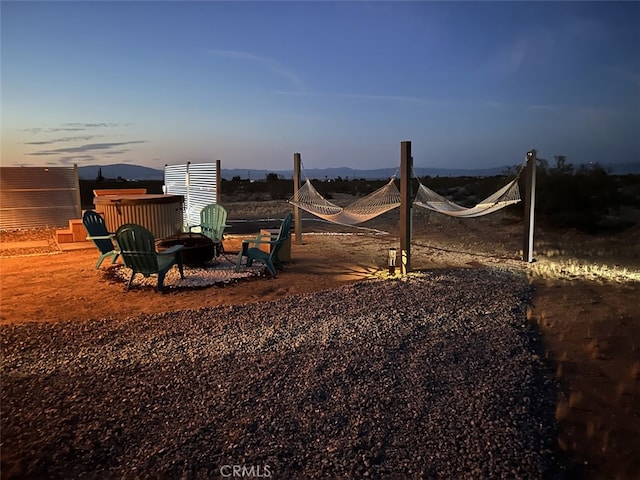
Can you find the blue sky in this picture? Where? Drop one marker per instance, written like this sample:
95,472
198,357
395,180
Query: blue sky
343,83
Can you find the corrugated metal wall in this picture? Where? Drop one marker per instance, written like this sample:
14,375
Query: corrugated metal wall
197,183
36,197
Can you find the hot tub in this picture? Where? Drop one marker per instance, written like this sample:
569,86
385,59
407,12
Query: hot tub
160,214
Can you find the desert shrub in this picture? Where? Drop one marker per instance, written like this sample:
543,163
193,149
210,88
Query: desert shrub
279,188
231,187
580,197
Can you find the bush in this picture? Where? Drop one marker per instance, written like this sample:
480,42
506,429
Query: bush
582,198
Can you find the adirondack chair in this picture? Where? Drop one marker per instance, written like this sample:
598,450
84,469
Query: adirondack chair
103,240
270,259
138,250
213,219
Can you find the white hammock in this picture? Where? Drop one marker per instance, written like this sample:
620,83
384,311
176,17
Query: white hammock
507,195
382,200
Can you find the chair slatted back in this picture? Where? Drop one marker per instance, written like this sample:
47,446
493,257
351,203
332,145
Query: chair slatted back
213,219
95,227
138,248
283,235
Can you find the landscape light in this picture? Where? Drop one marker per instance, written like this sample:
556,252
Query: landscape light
392,261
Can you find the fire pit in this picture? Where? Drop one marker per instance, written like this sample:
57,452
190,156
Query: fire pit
198,249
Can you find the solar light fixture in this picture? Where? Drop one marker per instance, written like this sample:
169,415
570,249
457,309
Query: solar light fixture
392,261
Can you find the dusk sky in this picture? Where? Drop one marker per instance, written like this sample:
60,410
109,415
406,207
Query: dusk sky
472,85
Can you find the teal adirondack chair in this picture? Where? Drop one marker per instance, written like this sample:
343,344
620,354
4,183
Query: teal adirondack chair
138,250
270,259
213,220
103,240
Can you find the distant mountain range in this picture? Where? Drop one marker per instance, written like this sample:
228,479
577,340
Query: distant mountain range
350,173
138,172
122,170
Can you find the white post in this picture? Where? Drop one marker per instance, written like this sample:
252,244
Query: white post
296,186
529,206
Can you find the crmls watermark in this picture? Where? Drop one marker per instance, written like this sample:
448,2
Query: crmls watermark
245,471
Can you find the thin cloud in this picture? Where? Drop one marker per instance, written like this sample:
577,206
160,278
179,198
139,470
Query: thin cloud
85,148
526,50
64,139
76,159
269,63
362,96
74,127
37,130
90,125
117,152
502,105
509,58
428,101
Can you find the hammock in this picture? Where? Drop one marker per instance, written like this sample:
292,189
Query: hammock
382,200
507,195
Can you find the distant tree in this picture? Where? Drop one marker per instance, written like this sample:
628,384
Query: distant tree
278,187
562,167
99,178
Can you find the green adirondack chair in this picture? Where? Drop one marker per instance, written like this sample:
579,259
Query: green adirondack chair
213,220
103,240
138,250
270,259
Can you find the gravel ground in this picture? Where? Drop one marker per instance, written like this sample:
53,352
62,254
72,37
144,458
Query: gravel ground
10,242
435,376
221,271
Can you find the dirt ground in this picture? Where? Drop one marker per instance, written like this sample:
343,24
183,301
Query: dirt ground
585,302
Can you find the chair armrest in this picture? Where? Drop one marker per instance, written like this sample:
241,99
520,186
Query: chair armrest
259,239
193,226
101,237
172,250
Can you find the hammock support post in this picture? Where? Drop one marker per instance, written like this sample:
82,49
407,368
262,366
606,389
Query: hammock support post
297,218
406,167
529,206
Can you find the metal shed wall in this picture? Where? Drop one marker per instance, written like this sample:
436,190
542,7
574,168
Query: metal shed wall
36,197
197,182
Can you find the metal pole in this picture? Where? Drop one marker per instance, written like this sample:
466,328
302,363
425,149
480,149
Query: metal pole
187,193
406,167
218,181
77,187
296,186
529,206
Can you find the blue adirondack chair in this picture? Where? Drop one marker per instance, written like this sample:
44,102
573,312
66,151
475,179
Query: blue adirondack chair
213,218
138,249
251,250
103,240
